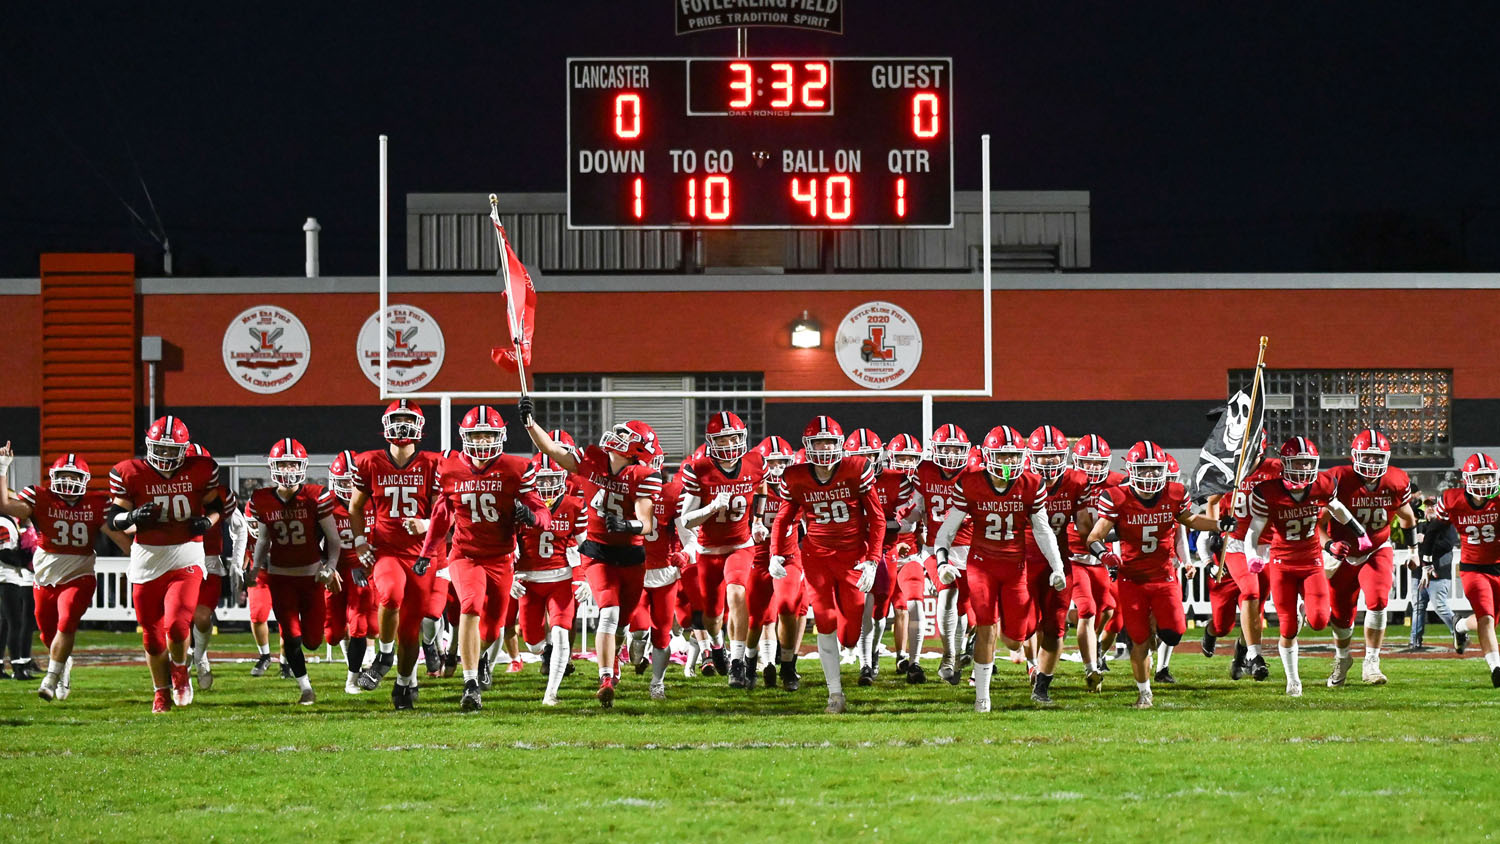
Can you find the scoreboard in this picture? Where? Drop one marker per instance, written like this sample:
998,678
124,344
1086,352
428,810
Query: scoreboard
760,143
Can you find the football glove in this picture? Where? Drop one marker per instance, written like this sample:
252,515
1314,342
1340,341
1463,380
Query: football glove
420,566
523,515
581,592
777,567
866,580
517,588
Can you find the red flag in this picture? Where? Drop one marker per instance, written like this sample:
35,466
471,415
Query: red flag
523,294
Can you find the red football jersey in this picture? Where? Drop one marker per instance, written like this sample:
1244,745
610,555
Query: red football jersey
662,542
1294,520
545,549
180,495
1239,500
1478,529
396,493
1000,518
936,485
347,557
1089,503
64,528
1065,497
292,524
481,502
789,546
614,492
704,478
843,515
1147,529
894,489
1373,508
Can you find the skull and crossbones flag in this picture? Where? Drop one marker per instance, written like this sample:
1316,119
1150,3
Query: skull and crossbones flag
1219,457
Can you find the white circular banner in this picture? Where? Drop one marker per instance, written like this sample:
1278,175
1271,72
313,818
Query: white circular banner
878,345
266,349
413,343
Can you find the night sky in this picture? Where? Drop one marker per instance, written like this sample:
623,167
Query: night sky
1269,136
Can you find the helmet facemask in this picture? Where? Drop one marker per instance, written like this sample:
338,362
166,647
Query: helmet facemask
288,471
1300,471
1005,462
1050,463
165,455
402,427
1371,462
950,455
550,484
729,445
1096,468
1482,483
482,442
1148,477
824,449
67,482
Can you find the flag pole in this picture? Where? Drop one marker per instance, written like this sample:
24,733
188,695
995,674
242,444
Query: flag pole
510,304
1239,467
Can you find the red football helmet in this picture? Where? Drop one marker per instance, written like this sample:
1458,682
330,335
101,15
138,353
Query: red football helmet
950,447
403,422
864,443
700,452
1481,476
727,437
69,476
1004,452
634,439
1091,454
551,480
800,456
482,433
1371,453
564,439
196,450
823,440
905,453
658,456
1146,465
1049,452
1174,471
288,462
341,476
1299,462
167,443
778,455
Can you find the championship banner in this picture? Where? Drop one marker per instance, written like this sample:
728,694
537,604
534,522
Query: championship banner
825,16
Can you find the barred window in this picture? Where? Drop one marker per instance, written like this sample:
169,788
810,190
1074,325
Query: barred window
1413,407
751,411
583,418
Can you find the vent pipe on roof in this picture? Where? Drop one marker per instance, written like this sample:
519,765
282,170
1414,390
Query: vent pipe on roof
311,228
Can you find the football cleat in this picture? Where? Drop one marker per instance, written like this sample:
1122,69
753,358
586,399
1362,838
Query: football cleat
370,678
433,658
658,691
1209,641
307,698
638,655
515,667
486,674
1238,668
720,661
903,665
1460,642
769,676
262,662
1294,688
48,690
606,693
546,665
1341,666
162,702
707,669
1143,699
981,704
915,674
1495,676
1041,690
866,676
205,675
737,674
549,699
450,664
752,673
1372,674
401,697
286,672
1259,670
351,686
182,686
836,704
1165,676
790,679
470,701
1094,681
1103,663
415,692
946,672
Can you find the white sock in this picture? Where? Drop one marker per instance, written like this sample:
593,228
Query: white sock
1493,659
866,634
200,647
1163,655
828,654
471,674
983,673
736,650
948,621
304,683
493,651
1341,651
767,646
54,670
660,659
914,631
694,650
353,675
67,675
1143,685
561,646
387,647
1251,652
1289,662
717,639
1372,655
875,640
265,649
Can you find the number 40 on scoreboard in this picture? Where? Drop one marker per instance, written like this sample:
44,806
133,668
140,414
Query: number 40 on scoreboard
805,142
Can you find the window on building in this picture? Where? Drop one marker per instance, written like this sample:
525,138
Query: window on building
583,418
1413,407
751,411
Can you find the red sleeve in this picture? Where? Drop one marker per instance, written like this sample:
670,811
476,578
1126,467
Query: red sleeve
874,524
533,502
362,473
325,504
787,515
28,496
437,527
117,481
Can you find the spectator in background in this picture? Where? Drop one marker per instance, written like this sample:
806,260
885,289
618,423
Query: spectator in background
17,607
1435,552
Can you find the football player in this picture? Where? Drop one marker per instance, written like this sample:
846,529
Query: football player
485,495
1373,491
351,614
212,587
1252,587
912,584
1185,562
651,620
894,489
400,482
1144,514
935,482
258,602
544,584
1093,592
1066,488
1291,505
170,500
722,492
289,519
844,544
619,485
1474,512
788,604
1001,501
69,519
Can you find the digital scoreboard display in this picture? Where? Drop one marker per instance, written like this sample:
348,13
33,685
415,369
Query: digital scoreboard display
760,143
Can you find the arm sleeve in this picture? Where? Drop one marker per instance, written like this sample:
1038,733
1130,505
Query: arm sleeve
332,547
1337,510
239,534
1252,536
874,524
1046,540
785,517
1204,557
437,529
949,529
262,554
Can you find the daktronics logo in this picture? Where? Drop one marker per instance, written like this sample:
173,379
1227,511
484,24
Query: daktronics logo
266,349
878,345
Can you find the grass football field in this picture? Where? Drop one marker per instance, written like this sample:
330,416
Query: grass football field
1215,760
